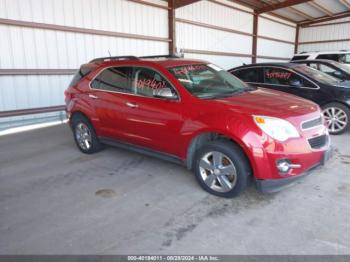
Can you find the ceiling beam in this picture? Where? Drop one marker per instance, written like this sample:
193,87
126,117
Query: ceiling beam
321,8
345,3
324,19
286,3
181,3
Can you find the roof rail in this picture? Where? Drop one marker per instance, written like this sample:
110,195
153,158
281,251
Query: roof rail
109,58
160,56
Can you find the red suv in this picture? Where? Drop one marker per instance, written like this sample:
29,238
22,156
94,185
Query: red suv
195,113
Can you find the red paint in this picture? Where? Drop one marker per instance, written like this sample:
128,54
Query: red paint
171,125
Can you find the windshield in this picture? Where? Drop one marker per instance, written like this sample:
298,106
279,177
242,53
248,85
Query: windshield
316,75
208,81
343,67
344,58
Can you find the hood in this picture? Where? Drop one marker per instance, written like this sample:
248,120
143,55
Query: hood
268,102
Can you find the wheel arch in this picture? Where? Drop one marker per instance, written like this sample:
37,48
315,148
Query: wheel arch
201,138
335,101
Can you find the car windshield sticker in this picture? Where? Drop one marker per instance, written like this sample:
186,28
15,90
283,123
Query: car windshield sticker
278,75
183,70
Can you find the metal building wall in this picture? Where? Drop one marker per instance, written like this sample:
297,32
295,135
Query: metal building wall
31,47
327,36
274,31
199,40
213,31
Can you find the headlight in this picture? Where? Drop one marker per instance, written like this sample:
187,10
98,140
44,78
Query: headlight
276,128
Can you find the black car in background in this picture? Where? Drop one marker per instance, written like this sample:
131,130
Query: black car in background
332,94
332,68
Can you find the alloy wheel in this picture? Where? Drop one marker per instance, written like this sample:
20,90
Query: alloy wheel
336,119
218,172
83,136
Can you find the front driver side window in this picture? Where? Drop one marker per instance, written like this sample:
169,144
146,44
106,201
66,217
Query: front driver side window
147,82
279,76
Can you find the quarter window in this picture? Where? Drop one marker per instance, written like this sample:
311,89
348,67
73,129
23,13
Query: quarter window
114,79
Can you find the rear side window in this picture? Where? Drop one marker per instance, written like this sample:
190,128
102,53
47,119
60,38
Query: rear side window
249,75
279,76
115,79
299,57
334,57
83,71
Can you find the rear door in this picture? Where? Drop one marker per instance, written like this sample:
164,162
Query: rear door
107,94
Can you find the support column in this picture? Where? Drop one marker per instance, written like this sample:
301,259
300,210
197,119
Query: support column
296,44
171,27
255,37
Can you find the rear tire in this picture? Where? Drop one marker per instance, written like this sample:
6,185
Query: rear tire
85,135
222,169
337,117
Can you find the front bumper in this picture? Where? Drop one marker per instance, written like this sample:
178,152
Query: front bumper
275,185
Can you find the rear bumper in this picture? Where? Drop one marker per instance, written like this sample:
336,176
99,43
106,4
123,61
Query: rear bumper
275,185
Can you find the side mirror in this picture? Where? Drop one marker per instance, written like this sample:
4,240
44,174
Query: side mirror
296,83
165,93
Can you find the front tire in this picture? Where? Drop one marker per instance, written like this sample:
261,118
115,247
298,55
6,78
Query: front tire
222,169
337,118
85,135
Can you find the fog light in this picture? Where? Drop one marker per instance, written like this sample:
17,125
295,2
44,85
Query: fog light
284,165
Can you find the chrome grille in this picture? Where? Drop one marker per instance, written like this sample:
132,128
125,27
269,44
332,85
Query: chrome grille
312,123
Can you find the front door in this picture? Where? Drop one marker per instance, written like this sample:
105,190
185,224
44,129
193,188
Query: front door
152,121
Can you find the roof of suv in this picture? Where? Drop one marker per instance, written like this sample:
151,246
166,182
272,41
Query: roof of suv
323,52
165,61
315,61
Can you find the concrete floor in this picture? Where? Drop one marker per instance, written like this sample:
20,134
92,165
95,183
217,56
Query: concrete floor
56,200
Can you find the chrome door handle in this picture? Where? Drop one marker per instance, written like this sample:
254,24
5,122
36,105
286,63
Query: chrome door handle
132,105
93,96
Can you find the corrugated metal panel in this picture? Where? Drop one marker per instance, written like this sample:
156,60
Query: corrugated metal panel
329,32
38,48
276,30
201,38
261,60
111,15
272,48
225,62
331,5
214,14
326,32
325,46
195,37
